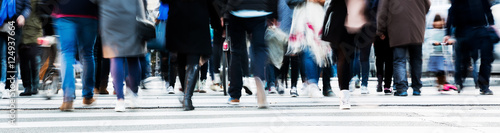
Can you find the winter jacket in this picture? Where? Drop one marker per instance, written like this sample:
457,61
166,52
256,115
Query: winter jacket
76,8
23,7
403,21
227,6
463,14
33,26
334,30
188,26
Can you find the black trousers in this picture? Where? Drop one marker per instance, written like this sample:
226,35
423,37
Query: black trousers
182,61
345,54
102,66
28,54
383,61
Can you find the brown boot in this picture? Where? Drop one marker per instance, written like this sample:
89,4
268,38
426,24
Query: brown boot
88,101
103,91
67,106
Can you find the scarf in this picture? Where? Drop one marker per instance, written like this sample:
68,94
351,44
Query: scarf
8,10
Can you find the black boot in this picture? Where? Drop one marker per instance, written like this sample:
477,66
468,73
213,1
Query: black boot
192,74
27,92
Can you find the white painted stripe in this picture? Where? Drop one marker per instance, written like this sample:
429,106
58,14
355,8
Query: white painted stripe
278,119
325,129
22,115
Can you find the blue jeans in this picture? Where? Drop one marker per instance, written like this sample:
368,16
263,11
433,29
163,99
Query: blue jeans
77,35
362,59
125,68
312,70
3,59
471,40
400,77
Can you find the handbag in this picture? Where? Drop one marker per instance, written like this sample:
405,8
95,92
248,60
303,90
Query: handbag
492,34
159,42
146,29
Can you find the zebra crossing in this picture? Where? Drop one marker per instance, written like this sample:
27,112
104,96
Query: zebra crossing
433,112
251,120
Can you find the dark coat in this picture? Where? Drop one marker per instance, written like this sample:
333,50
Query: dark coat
464,13
334,30
23,7
403,21
188,29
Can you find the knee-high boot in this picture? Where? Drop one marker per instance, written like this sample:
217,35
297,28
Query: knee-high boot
190,83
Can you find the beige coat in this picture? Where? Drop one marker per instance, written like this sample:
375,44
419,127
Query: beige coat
403,21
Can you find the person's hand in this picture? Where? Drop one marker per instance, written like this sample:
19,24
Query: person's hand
446,39
382,36
222,21
273,22
20,21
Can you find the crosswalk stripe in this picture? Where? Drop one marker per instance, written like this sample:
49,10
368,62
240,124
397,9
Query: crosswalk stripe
252,120
23,115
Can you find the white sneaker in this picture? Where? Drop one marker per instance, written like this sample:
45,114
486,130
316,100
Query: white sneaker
203,86
314,91
134,100
216,79
261,96
120,106
364,90
272,90
351,87
304,91
293,92
344,100
5,92
170,90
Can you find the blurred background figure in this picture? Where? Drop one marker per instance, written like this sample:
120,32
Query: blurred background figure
407,36
383,61
122,46
17,11
248,17
76,25
473,23
29,53
188,20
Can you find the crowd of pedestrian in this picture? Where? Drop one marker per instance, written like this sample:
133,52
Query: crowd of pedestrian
324,38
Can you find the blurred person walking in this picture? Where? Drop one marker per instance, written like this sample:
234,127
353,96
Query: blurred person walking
383,60
473,23
29,53
183,25
348,24
248,17
76,25
123,46
404,23
17,11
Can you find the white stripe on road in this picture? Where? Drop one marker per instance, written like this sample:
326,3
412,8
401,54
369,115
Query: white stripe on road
278,119
23,115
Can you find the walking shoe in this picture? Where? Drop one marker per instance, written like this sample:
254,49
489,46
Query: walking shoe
67,106
142,85
202,87
327,91
233,101
248,91
448,87
416,93
6,94
120,105
351,88
345,100
272,90
364,90
314,91
486,92
304,91
25,94
358,84
216,79
387,91
398,93
134,100
379,88
261,96
197,86
88,101
170,90
293,92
